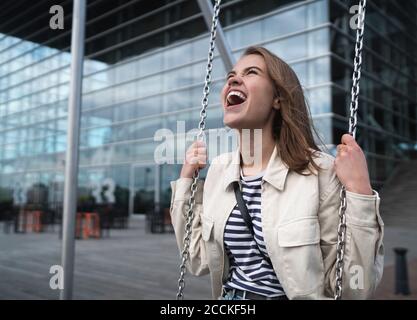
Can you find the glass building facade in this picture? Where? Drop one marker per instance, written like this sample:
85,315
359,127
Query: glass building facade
144,70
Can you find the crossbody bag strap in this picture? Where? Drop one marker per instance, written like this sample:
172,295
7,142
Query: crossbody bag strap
246,217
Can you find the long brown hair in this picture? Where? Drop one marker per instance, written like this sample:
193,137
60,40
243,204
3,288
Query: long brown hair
292,128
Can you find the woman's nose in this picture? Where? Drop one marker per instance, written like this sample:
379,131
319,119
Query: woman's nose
234,80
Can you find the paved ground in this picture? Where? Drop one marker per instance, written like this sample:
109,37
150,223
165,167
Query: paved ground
386,289
133,264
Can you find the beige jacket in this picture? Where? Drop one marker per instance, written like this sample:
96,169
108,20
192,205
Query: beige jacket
299,221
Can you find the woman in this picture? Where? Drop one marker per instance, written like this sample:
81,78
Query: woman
292,197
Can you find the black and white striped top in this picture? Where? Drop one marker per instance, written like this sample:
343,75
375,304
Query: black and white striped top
248,269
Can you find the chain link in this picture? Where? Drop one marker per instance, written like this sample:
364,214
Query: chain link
201,125
341,229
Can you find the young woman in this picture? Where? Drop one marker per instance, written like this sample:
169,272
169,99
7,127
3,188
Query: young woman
292,196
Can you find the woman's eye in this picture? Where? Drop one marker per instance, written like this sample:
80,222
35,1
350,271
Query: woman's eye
252,71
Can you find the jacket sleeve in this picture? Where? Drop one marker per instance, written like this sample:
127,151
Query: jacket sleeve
364,250
181,192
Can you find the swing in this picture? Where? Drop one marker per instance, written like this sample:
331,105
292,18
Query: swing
341,230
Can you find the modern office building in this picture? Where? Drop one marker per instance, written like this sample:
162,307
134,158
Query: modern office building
144,70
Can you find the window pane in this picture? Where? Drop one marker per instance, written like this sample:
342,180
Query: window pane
284,23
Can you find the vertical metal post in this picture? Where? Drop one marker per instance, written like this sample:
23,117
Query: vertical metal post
158,211
71,162
221,41
401,273
157,187
131,190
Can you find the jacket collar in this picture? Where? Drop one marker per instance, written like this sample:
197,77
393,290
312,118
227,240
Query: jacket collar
275,173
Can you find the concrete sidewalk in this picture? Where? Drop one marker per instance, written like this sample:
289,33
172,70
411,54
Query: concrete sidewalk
133,264
386,290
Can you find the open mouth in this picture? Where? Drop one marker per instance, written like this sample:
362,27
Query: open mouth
235,98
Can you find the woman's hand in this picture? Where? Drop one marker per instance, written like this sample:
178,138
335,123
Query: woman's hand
351,167
195,158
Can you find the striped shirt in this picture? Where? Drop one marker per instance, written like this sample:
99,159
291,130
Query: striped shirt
248,268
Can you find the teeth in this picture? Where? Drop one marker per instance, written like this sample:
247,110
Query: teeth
236,93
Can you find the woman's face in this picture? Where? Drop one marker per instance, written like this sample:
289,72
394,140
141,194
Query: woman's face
248,95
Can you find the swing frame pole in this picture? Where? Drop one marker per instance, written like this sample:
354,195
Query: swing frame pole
71,163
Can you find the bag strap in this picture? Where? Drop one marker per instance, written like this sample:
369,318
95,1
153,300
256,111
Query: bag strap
246,217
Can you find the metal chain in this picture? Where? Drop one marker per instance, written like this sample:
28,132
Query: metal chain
201,125
341,229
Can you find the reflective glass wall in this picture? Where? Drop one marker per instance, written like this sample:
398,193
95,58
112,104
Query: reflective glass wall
388,96
142,72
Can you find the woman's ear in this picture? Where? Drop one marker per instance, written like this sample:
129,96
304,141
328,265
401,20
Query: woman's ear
277,104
